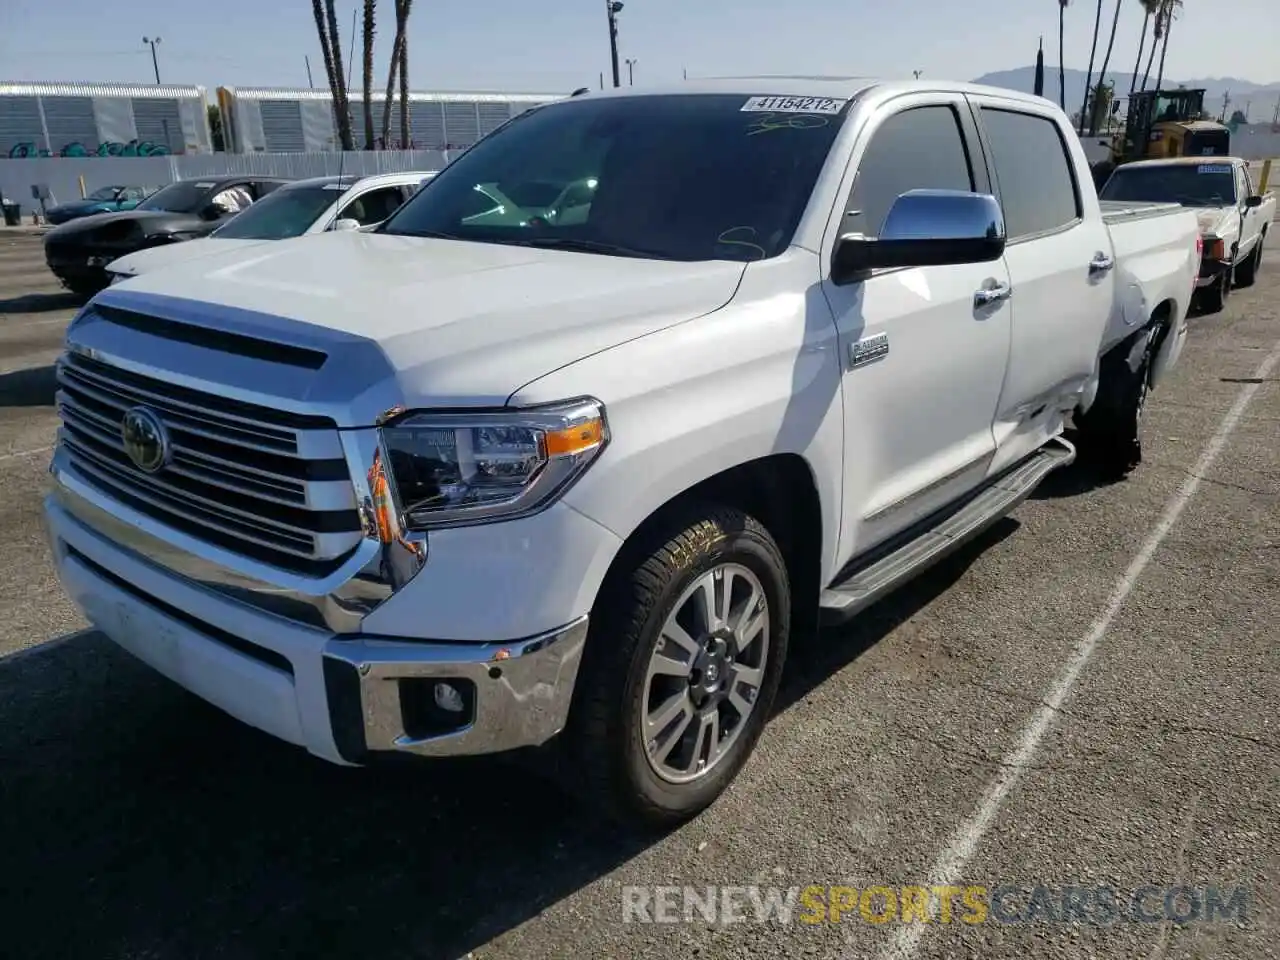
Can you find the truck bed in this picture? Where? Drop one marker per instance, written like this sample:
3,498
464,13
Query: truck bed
1119,211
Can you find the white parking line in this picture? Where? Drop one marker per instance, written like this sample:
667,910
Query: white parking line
24,453
950,865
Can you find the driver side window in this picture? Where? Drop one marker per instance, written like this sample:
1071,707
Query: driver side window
919,148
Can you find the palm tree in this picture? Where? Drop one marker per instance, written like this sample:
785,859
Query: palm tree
1062,70
399,65
391,81
1094,117
1149,7
368,72
1170,13
405,133
331,47
334,76
1088,80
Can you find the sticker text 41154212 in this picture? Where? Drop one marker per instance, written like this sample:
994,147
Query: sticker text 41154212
827,105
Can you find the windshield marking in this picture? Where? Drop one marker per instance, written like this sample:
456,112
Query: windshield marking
800,121
729,241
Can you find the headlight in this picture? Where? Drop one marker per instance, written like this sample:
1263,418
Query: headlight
459,468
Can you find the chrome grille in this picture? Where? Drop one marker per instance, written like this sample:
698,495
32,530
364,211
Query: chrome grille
259,481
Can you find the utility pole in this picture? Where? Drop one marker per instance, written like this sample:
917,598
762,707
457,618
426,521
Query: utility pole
614,7
1226,102
154,62
631,72
310,82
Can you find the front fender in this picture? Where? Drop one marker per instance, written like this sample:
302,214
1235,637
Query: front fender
758,377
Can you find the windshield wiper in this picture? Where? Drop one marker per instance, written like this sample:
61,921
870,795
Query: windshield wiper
424,234
587,246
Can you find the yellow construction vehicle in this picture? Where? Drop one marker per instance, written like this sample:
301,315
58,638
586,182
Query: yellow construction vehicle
1165,123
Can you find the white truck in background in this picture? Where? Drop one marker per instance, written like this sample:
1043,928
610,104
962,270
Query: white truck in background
478,480
1234,220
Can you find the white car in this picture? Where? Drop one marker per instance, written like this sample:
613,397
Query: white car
1234,219
314,205
466,484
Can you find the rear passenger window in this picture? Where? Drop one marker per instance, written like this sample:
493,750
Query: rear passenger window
1037,183
920,148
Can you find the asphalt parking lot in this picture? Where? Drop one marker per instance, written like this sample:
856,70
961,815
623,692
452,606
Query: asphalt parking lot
1085,698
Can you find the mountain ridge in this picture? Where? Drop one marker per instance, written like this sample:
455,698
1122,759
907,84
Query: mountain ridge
1264,96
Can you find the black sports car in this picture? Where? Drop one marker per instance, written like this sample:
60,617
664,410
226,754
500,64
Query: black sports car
79,251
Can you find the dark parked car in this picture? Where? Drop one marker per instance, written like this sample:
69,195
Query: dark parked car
103,200
78,252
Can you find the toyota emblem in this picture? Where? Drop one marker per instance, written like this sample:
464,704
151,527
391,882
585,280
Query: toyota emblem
145,440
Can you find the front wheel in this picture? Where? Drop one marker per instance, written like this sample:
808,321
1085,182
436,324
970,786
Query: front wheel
683,660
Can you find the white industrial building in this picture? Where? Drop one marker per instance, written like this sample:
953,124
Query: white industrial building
102,119
263,120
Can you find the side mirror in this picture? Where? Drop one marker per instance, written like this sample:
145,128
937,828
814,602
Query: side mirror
1254,201
925,228
345,223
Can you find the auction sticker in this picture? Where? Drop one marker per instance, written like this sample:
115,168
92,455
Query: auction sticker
830,105
1214,168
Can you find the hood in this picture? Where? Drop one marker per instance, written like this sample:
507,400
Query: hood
144,220
1213,220
457,323
78,208
153,258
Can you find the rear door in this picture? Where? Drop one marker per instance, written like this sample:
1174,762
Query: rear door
1061,266
923,361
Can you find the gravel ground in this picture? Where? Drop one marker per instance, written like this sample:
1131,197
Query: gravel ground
1067,703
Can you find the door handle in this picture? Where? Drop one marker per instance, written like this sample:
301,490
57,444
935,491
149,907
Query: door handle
992,294
1101,263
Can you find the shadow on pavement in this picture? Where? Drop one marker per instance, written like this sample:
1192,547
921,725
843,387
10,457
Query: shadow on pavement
42,302
139,821
34,387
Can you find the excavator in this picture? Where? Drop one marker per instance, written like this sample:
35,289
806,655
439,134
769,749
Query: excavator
1164,123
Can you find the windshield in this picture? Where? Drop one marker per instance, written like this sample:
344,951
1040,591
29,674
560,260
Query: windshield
1191,184
681,177
182,197
103,193
281,214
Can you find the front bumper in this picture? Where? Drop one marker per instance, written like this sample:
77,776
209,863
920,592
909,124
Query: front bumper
348,698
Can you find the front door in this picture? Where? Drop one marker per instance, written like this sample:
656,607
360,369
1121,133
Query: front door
923,361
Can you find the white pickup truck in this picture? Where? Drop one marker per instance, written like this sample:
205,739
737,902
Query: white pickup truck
1234,220
478,480
296,209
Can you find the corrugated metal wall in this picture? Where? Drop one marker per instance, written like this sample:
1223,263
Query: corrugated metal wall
62,173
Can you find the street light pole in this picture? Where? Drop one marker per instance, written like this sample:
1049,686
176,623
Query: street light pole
614,7
631,72
154,62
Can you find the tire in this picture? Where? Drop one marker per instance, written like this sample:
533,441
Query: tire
1247,272
84,288
611,733
1110,432
1213,299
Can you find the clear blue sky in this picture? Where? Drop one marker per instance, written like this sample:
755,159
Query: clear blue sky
555,45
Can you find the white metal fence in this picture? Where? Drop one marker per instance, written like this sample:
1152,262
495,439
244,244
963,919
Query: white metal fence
62,174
